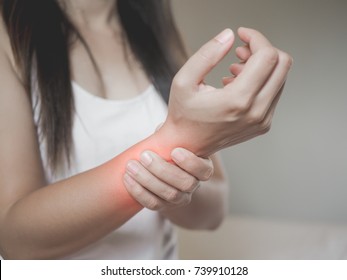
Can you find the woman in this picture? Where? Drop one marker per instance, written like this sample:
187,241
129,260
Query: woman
83,82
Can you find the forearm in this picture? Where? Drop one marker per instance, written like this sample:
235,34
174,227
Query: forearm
207,208
64,217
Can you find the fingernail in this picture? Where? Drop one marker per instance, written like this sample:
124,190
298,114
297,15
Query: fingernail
225,36
132,167
178,155
146,159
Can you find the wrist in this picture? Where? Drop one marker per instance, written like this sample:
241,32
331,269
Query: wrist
172,135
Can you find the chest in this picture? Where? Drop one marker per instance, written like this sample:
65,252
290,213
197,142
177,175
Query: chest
106,67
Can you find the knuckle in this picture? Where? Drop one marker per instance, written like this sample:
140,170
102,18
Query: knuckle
173,195
204,55
255,118
207,55
153,204
286,60
242,104
147,181
178,83
160,169
270,55
208,174
265,127
189,184
137,191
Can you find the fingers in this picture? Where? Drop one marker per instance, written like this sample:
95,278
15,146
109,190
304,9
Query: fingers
168,173
156,184
200,168
254,39
265,123
243,53
268,117
146,198
236,68
204,60
259,78
259,66
265,99
227,80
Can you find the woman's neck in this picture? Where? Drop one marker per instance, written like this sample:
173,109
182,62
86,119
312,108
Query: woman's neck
91,14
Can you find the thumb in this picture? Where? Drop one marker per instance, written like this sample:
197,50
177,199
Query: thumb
205,59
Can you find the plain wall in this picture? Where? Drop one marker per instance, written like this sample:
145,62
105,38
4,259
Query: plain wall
297,171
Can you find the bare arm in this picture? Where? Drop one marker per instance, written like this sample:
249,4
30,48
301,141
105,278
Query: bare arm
50,221
38,221
209,203
250,96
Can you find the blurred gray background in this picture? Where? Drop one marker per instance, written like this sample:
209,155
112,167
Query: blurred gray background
298,171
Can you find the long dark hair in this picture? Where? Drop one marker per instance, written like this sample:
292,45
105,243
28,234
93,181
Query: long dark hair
40,34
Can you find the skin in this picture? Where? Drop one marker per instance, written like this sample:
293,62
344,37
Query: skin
192,169
40,220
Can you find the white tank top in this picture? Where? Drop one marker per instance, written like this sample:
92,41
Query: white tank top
103,129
